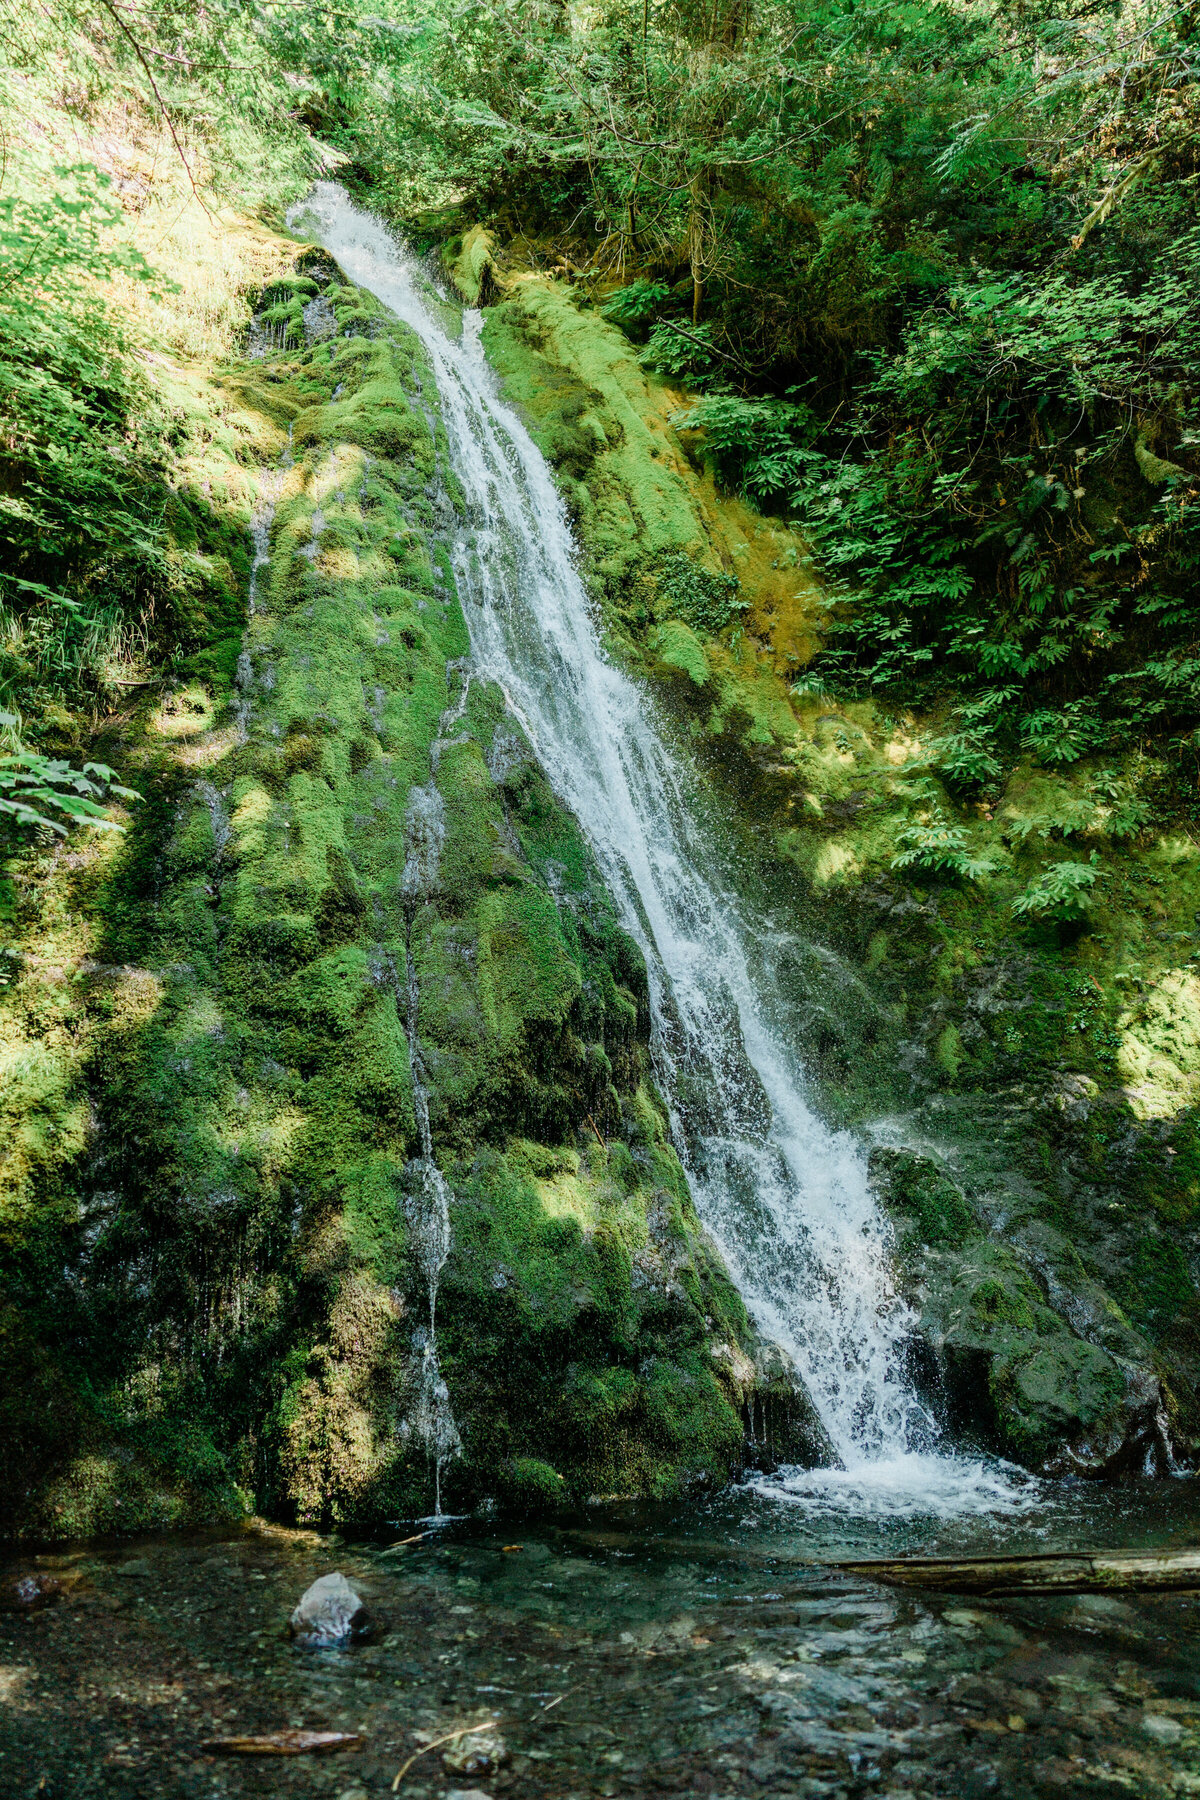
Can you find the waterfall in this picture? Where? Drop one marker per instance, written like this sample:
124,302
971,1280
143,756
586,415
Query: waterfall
786,1198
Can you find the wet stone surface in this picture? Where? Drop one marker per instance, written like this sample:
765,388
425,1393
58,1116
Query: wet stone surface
604,1662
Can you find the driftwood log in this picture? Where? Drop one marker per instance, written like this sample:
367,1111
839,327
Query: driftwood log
1058,1572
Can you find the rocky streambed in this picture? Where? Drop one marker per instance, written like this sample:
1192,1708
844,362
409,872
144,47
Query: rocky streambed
619,1654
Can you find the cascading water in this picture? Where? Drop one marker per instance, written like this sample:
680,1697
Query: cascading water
786,1198
428,1203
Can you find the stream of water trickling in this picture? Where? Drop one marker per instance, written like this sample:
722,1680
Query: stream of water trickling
786,1198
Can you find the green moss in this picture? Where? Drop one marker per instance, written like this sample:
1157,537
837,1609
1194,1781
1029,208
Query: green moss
915,1188
676,645
246,1013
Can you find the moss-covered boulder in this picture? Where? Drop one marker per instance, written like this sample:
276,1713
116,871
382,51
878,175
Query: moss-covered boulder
1027,1355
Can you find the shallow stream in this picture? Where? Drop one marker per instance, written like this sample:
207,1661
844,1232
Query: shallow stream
705,1651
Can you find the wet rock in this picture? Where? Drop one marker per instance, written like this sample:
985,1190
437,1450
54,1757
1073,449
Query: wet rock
30,1593
136,1569
781,1422
476,1754
1026,1352
1163,1729
330,1612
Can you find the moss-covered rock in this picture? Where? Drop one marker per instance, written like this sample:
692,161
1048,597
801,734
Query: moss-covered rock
1030,1356
351,902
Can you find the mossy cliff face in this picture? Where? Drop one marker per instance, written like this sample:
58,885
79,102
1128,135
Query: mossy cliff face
1044,1076
349,899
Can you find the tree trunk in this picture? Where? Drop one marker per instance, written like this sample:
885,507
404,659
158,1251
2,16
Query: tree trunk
696,241
1064,1572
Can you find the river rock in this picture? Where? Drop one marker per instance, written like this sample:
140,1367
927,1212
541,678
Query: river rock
475,1753
30,1593
136,1569
330,1612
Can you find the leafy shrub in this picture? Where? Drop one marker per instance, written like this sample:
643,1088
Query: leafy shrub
32,787
681,350
1123,815
761,446
939,847
970,756
634,304
1058,737
1061,892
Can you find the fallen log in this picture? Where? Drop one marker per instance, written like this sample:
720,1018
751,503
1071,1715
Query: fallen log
1052,1572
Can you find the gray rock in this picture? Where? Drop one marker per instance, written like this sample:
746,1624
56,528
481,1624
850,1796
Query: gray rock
330,1612
136,1570
1161,1728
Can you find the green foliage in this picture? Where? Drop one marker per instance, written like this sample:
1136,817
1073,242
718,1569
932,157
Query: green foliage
935,845
708,601
1120,812
32,787
681,350
1061,892
969,757
762,446
935,273
83,500
634,304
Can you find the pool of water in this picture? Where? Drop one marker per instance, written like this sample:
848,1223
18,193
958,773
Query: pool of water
708,1649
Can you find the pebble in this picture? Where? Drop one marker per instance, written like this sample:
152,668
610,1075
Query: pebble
475,1754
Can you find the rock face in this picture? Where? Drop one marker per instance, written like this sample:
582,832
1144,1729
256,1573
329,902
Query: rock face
330,1612
1054,1073
273,1024
1023,1351
781,1423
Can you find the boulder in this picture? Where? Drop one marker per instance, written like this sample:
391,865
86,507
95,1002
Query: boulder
330,1612
1019,1348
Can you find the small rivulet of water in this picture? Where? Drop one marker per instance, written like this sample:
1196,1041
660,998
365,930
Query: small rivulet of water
427,1208
786,1198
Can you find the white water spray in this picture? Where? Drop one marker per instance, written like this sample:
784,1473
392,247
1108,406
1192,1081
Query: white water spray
786,1198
